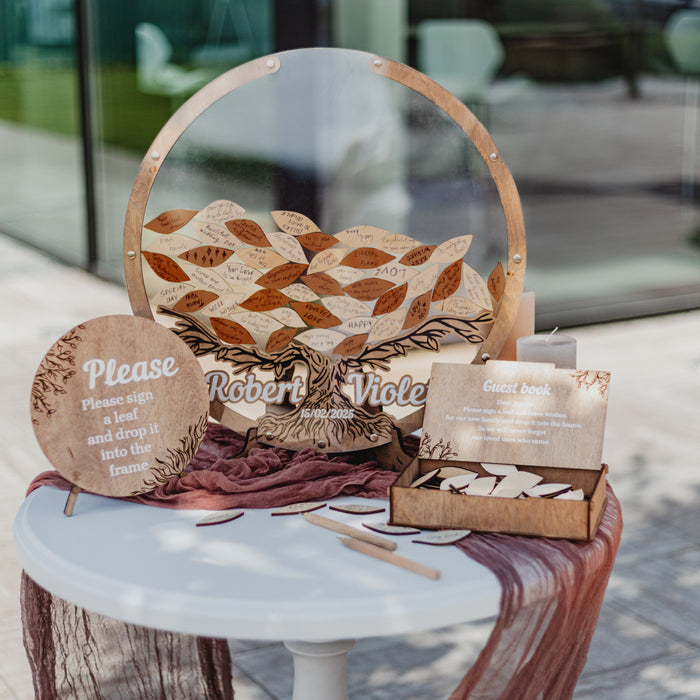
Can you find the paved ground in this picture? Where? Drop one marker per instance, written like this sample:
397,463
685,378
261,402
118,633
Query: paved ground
648,640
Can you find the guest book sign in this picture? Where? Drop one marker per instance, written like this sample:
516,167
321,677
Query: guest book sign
516,412
119,405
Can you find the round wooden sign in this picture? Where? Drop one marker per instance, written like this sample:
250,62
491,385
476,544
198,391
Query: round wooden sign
119,405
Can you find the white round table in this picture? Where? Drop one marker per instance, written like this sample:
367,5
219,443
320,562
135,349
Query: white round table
257,577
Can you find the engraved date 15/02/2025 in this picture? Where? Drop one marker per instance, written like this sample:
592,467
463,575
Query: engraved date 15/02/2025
328,413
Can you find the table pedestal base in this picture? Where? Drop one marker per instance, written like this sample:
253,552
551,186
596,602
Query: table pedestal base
320,669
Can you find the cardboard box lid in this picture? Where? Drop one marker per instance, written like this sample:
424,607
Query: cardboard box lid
516,413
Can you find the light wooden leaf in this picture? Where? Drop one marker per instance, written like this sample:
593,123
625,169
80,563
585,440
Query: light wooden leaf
166,268
207,278
206,255
170,221
288,247
326,260
315,315
397,244
294,223
497,282
459,306
231,332
195,300
395,272
300,292
172,244
423,282
216,234
360,236
167,296
451,250
346,307
260,325
323,340
281,276
287,316
260,258
346,275
239,276
264,300
387,326
224,306
359,324
220,211
475,288
249,232
448,282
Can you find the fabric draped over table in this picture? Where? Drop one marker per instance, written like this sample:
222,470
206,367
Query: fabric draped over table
552,592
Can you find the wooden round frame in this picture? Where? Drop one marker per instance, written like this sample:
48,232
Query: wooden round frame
397,72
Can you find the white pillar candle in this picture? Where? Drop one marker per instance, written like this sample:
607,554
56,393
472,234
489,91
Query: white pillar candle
552,347
524,324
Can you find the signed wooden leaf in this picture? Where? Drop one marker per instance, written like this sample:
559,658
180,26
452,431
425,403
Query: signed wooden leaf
294,223
475,287
281,276
224,306
321,339
288,246
249,232
194,301
418,255
316,241
206,255
497,282
395,272
391,300
359,236
324,284
279,339
216,234
351,345
346,307
222,516
167,296
166,268
359,324
265,300
288,317
448,282
315,315
170,221
397,244
260,258
423,282
172,244
366,258
418,310
207,278
327,259
387,326
346,275
231,332
459,306
238,275
220,211
300,292
260,325
451,250
368,289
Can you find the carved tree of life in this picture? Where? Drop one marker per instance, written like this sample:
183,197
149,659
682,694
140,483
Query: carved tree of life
336,304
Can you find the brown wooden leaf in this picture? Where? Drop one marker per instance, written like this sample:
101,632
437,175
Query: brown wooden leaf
280,339
249,232
418,255
448,282
264,300
166,268
294,223
351,345
206,255
368,289
497,282
194,301
280,276
418,310
171,220
322,283
315,314
316,241
231,332
390,300
366,258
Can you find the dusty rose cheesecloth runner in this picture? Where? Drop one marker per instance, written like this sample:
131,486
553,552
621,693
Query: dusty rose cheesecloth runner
552,591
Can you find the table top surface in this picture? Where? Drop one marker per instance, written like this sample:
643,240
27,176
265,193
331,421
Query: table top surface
257,577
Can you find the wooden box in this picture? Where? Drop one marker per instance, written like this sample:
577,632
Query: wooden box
543,420
433,509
